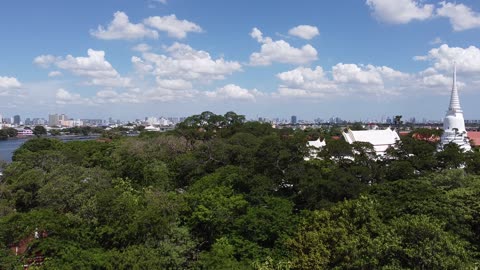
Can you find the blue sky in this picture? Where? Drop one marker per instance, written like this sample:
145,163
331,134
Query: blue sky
314,59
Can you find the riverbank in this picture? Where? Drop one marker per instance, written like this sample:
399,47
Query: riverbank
7,147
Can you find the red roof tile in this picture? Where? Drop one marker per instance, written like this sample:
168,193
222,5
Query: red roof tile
475,137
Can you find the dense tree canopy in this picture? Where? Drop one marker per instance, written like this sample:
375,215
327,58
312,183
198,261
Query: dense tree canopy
222,193
39,130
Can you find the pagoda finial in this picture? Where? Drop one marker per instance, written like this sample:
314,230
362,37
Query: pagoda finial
454,99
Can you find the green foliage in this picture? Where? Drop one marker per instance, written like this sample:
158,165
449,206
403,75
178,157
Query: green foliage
55,132
357,126
84,130
451,157
11,132
222,193
220,257
39,131
3,135
421,242
352,235
400,169
214,210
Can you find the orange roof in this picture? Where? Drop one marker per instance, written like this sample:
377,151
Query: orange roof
475,137
421,137
432,138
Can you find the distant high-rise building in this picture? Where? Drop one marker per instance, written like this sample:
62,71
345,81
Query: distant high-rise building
294,120
62,117
38,122
389,120
92,122
16,119
174,120
53,120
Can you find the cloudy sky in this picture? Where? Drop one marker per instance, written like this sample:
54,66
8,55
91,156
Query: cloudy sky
130,59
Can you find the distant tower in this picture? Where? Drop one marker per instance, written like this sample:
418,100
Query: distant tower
454,124
53,120
293,120
16,120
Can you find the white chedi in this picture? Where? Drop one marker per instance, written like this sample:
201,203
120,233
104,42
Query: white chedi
454,124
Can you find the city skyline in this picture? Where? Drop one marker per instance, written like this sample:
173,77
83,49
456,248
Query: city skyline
355,60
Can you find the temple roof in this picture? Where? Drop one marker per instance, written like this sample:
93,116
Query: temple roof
380,139
475,137
375,137
317,143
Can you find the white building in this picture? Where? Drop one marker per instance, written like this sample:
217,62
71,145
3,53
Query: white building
453,123
151,128
380,139
71,123
314,148
25,132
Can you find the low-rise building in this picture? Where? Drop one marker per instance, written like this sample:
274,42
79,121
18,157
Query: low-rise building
380,139
314,148
24,132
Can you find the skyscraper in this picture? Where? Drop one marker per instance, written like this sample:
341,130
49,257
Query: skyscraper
53,120
16,119
294,120
454,124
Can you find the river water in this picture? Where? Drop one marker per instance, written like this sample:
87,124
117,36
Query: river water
9,146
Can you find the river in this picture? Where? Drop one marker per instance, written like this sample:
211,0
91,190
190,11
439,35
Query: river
7,147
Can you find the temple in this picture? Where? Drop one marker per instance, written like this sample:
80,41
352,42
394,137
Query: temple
454,124
314,148
380,139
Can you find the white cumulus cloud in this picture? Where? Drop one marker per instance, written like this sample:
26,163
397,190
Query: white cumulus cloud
184,62
304,31
461,17
232,91
9,82
94,67
175,74
55,73
279,51
306,78
122,28
65,97
436,41
175,84
346,79
443,57
174,27
44,61
400,11
141,66
142,47
111,96
351,73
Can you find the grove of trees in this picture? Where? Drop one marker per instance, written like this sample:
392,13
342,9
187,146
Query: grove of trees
222,193
8,133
